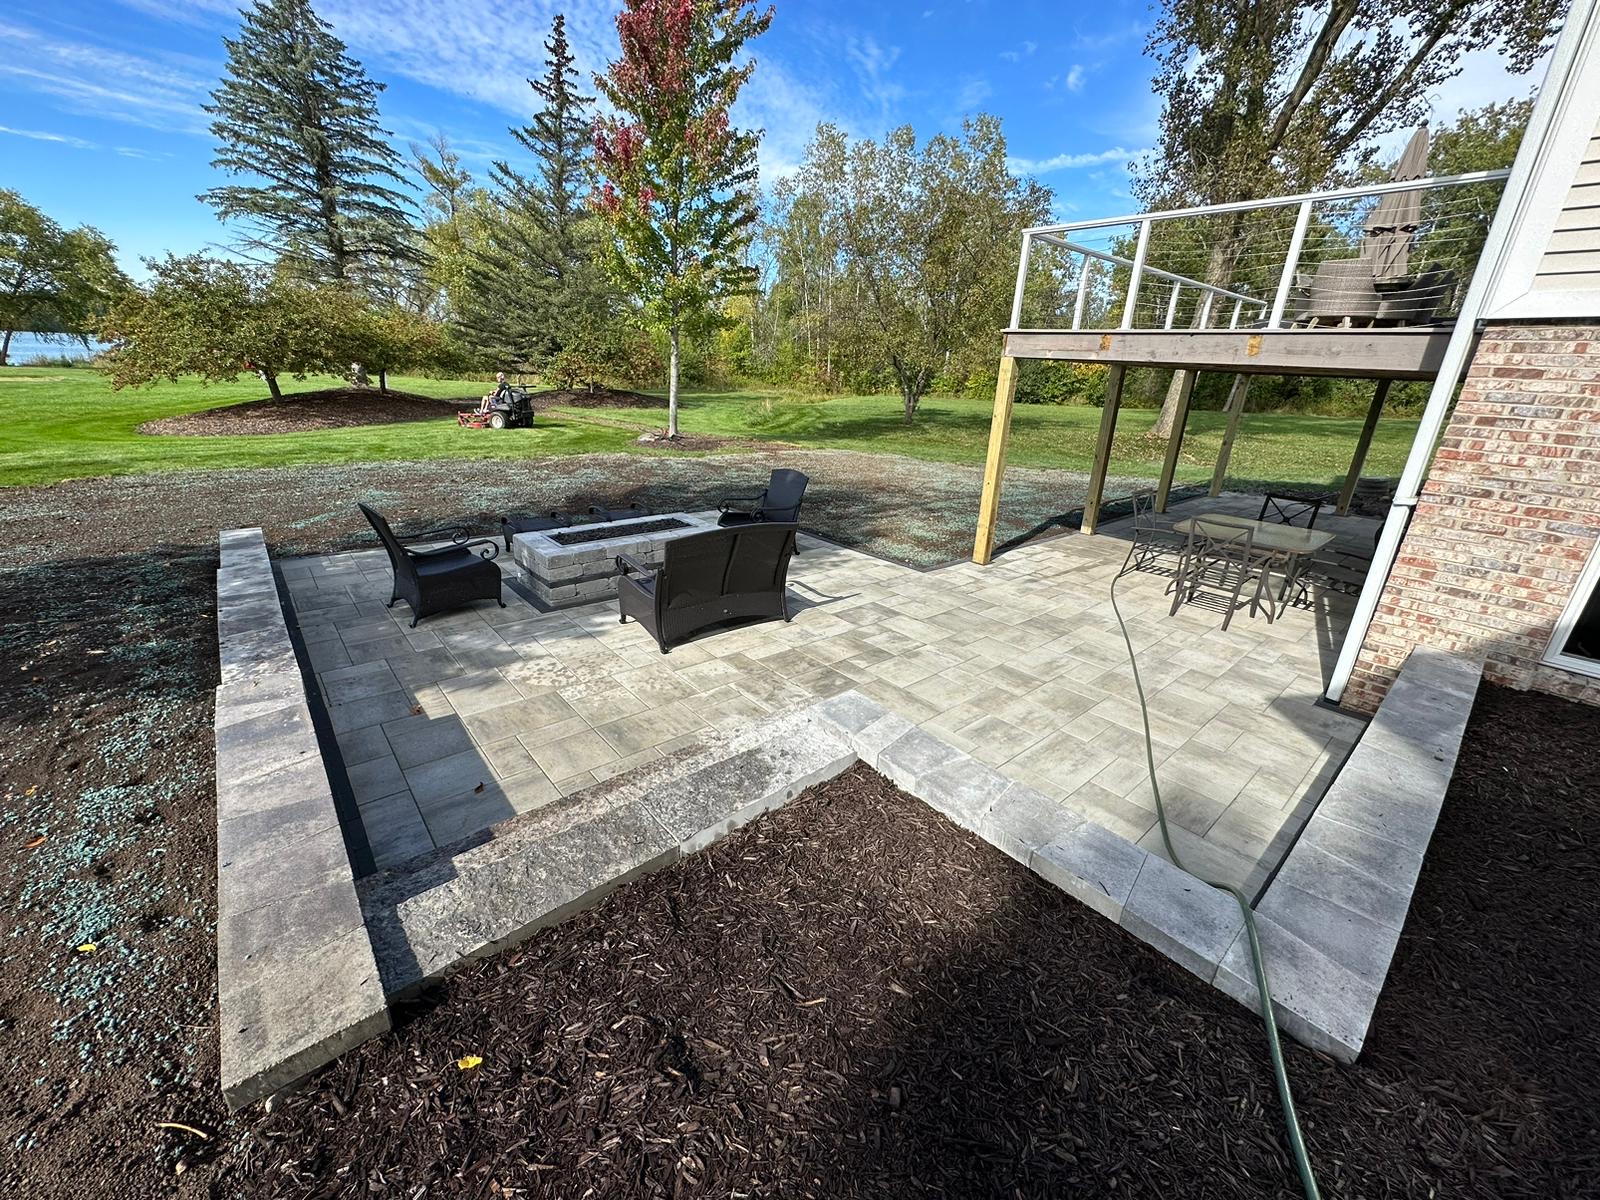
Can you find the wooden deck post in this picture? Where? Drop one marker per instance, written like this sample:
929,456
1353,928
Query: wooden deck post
1363,444
1169,463
1102,448
1237,395
994,467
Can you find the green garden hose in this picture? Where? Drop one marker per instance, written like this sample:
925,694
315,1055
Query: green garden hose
1280,1071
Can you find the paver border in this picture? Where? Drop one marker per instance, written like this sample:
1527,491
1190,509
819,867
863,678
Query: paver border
297,981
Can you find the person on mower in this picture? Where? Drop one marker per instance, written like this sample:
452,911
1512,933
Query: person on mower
500,395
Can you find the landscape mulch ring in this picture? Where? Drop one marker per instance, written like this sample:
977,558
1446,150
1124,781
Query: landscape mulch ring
853,997
329,408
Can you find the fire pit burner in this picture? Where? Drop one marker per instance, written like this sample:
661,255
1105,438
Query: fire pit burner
617,529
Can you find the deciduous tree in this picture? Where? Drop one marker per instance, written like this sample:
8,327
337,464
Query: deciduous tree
677,178
53,282
219,319
927,238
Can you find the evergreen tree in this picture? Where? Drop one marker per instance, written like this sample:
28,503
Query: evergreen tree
678,179
535,287
298,113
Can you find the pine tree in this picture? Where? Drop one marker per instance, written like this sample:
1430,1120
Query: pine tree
679,180
535,287
298,113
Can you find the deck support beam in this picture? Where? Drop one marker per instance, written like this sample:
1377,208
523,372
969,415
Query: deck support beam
994,467
1102,448
1363,444
1180,419
1237,395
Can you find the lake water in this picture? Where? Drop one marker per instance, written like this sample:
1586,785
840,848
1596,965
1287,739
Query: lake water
27,345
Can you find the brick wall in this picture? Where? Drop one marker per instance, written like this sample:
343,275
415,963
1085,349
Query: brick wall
1509,515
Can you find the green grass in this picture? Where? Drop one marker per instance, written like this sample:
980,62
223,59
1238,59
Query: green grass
60,424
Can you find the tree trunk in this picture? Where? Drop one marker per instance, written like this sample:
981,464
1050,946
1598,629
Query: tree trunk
5,347
383,379
910,399
672,387
271,380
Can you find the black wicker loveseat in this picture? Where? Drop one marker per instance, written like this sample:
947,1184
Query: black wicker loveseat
707,579
437,580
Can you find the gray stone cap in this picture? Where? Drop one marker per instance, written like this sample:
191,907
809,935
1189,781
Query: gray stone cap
297,981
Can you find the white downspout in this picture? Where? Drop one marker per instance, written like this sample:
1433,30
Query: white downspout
1563,73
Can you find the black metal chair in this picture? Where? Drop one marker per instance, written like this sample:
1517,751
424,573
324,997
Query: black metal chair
513,524
708,578
1291,510
1221,558
630,513
432,581
779,502
1150,537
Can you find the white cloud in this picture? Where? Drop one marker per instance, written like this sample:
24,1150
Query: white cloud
1066,162
1025,50
872,64
482,49
95,81
41,135
973,93
1074,79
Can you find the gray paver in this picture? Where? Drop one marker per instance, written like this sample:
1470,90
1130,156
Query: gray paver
1092,864
1188,921
963,789
912,756
1022,820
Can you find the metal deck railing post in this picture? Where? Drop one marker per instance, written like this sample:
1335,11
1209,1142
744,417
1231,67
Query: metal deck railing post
1138,270
1302,222
1022,279
1205,309
1083,292
1172,305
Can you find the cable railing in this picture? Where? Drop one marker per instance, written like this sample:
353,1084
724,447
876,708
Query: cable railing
1380,255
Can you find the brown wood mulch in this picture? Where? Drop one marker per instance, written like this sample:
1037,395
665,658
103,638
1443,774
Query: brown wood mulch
599,397
327,408
852,997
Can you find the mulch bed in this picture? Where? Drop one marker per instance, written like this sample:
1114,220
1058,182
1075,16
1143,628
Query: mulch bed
302,412
852,997
600,397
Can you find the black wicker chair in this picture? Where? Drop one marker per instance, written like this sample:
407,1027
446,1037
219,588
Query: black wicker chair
779,503
513,524
432,581
630,513
707,579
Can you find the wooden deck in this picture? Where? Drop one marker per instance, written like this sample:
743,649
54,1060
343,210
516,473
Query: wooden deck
1412,353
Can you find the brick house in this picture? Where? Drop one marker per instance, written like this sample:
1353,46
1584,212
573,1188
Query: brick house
1500,552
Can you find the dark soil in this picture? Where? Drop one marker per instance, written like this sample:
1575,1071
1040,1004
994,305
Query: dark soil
329,408
852,997
600,397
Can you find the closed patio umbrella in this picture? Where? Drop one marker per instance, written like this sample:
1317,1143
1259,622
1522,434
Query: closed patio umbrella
1386,246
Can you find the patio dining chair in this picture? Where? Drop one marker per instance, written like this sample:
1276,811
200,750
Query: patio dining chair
1220,557
1300,511
1150,537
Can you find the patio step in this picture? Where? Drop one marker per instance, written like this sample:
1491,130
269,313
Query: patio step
537,869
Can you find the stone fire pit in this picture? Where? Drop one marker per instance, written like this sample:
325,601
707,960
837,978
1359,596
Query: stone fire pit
577,565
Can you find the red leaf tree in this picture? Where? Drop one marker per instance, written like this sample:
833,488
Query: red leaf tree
676,181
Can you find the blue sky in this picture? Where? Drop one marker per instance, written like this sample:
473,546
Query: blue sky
100,118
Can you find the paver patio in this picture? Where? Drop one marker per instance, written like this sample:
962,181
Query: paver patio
485,713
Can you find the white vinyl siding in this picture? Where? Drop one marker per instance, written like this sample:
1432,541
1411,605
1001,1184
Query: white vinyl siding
1571,260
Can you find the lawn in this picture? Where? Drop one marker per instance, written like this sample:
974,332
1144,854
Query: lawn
67,423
